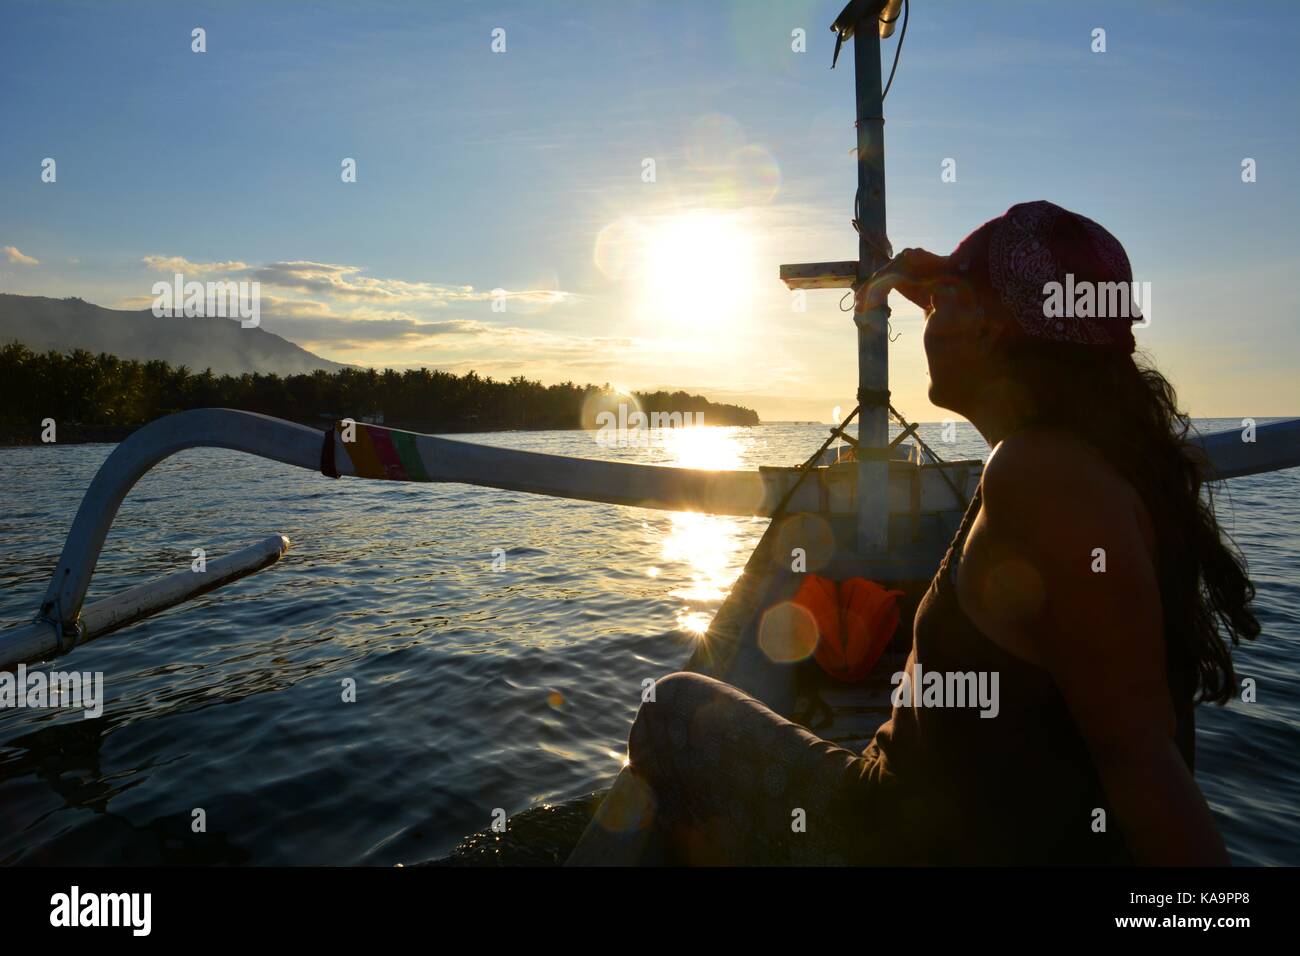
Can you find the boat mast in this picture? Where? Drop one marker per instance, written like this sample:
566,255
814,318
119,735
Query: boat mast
873,252
865,22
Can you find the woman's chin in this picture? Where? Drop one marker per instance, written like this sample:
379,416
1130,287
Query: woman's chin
942,397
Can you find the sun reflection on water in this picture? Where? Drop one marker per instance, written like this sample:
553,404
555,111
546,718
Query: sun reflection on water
707,548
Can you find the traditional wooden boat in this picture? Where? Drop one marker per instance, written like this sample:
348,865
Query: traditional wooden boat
887,515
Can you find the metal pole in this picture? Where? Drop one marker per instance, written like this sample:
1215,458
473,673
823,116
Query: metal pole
873,339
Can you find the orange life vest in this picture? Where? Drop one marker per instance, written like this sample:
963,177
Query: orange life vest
855,621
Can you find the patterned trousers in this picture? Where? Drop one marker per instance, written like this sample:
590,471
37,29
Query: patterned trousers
734,783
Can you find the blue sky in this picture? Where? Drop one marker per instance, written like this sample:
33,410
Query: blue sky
523,171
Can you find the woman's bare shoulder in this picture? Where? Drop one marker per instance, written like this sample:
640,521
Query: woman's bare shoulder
1045,473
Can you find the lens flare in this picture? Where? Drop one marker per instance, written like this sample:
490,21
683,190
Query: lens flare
630,806
754,177
804,538
713,139
620,248
787,633
612,412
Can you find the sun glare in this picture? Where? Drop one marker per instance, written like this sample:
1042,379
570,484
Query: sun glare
698,272
702,447
706,547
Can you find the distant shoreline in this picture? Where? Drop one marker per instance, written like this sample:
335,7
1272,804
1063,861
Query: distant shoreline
103,398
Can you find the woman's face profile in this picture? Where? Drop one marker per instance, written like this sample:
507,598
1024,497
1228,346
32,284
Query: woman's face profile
956,343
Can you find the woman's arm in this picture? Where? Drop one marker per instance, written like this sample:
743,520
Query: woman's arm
1051,501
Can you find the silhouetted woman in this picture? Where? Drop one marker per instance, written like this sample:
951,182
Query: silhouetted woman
1089,573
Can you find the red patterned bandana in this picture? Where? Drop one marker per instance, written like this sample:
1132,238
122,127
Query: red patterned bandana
1013,261
1044,273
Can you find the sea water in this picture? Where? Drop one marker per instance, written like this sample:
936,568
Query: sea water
496,644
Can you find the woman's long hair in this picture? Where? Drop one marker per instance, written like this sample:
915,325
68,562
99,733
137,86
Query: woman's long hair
1122,406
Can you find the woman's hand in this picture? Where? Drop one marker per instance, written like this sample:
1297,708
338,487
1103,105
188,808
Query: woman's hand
908,272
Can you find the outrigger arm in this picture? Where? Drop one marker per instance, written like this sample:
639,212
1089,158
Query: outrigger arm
381,453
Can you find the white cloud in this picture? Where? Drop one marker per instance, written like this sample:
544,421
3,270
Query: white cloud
340,312
347,282
174,264
18,258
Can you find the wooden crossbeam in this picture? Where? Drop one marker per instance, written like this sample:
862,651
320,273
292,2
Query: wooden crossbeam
820,275
905,434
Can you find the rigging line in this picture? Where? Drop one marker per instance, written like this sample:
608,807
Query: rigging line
804,469
931,452
898,50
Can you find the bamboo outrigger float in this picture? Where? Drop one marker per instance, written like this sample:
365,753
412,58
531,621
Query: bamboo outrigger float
889,514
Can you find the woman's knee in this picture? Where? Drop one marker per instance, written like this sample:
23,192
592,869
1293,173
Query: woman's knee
672,699
681,690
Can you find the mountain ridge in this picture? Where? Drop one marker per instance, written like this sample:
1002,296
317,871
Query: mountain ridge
42,323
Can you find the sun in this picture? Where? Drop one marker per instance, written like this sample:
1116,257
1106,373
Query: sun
698,271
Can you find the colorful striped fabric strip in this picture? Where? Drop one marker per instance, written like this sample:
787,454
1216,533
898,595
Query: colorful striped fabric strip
407,450
382,453
386,453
